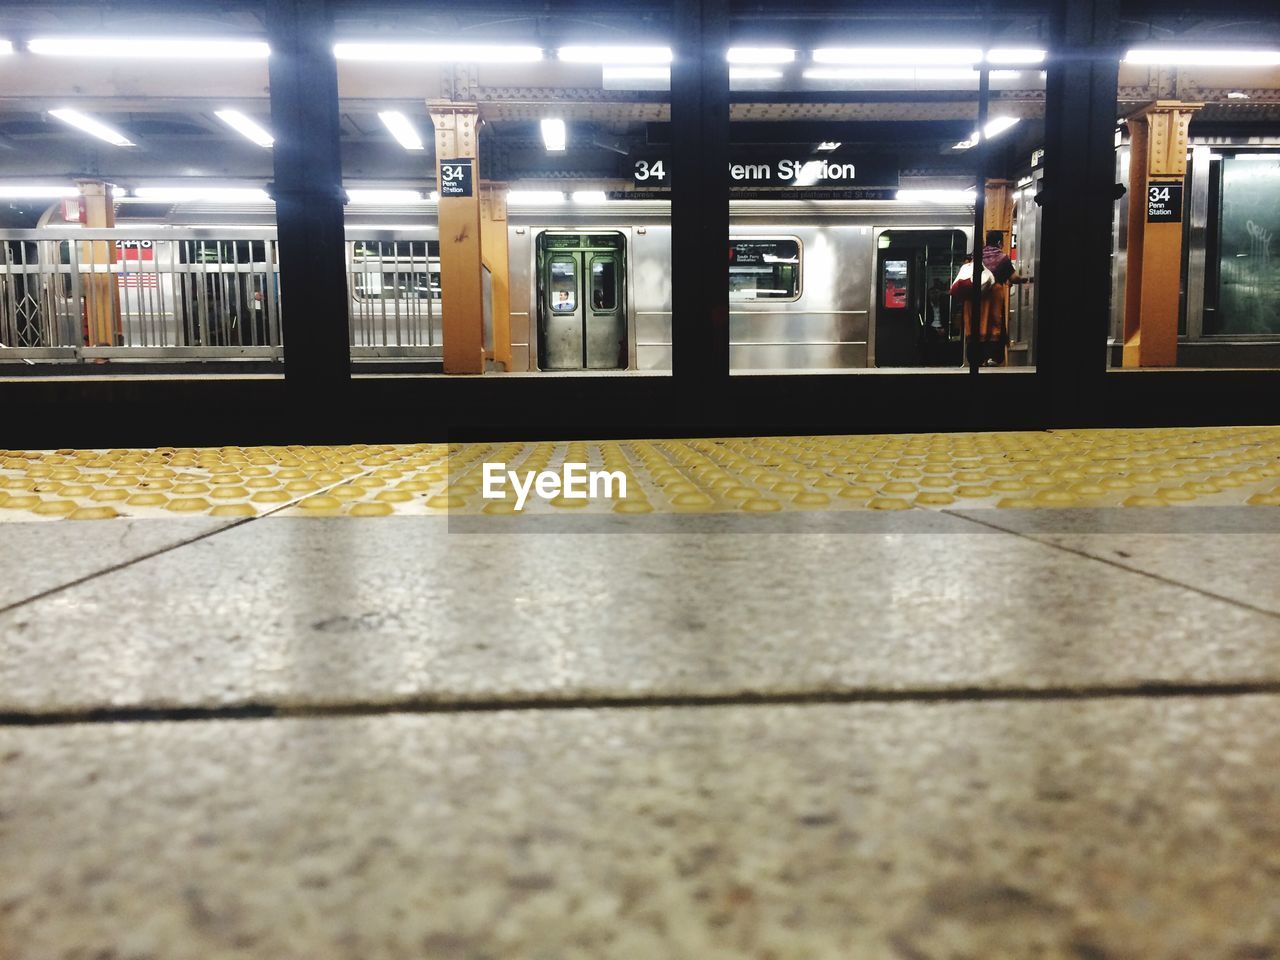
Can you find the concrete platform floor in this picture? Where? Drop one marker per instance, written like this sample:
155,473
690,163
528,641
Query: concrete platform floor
950,730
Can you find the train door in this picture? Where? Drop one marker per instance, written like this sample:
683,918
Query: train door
914,323
582,316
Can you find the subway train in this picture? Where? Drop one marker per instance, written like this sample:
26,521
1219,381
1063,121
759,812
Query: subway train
813,285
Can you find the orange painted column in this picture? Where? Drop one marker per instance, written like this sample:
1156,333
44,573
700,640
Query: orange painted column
101,287
461,276
1158,136
494,253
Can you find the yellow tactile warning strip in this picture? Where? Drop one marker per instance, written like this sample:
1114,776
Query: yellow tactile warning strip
1087,468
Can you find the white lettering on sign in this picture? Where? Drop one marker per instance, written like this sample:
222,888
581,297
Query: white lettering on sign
575,482
650,171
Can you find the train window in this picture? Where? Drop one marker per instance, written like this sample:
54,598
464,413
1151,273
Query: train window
396,286
604,283
764,269
563,288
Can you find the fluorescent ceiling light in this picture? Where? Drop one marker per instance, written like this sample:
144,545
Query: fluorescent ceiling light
6,46
398,126
1009,74
554,135
438,52
900,74
246,127
359,195
637,73
827,146
998,125
589,196
150,48
754,73
627,55
994,128
1205,58
202,194
1027,55
897,55
531,197
937,196
760,55
91,126
1237,95
21,191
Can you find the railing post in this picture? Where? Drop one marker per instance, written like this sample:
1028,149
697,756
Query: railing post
700,195
308,194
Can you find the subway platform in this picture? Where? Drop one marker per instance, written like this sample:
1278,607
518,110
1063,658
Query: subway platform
927,696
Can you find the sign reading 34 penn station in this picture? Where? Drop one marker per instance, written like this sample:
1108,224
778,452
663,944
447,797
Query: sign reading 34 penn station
652,169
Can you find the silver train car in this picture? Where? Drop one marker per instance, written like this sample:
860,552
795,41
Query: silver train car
814,285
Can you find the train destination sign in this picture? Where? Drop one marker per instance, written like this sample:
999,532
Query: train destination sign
802,172
1164,203
455,177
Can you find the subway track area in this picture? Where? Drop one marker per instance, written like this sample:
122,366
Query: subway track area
902,697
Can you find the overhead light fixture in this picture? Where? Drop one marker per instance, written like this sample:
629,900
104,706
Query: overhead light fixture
362,196
899,74
534,197
201,194
936,196
589,196
398,126
1237,95
150,48
1027,55
754,73
35,191
91,126
620,55
554,136
826,146
438,52
897,55
1204,58
6,46
246,127
760,55
994,128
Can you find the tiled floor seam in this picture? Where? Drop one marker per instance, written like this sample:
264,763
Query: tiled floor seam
1167,581
922,696
230,525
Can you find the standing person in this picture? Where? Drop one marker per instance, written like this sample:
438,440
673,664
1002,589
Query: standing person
977,336
995,307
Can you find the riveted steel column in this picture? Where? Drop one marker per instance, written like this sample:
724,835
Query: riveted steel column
700,193
457,129
1078,198
1158,141
308,193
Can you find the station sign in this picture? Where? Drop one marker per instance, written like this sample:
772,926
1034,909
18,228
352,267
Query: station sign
1164,202
651,170
456,178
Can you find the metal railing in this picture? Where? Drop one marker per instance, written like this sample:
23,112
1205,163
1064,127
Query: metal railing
187,293
394,280
139,293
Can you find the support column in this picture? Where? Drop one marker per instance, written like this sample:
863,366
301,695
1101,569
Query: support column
700,194
308,194
1158,137
493,251
1078,197
461,275
999,208
101,287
